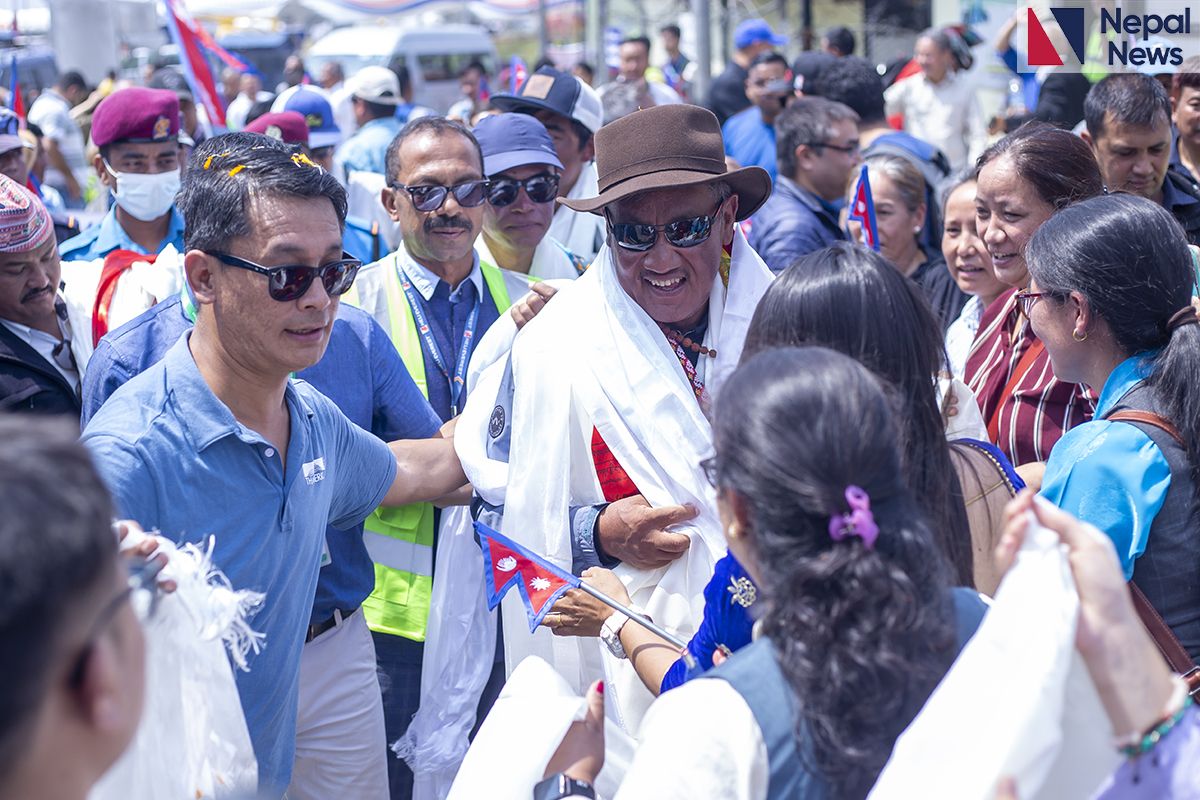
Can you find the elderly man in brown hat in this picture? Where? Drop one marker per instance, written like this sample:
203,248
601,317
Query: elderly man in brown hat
602,404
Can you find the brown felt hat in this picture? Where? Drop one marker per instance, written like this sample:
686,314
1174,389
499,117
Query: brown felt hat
663,147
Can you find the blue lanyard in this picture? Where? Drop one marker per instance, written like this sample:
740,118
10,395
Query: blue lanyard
459,380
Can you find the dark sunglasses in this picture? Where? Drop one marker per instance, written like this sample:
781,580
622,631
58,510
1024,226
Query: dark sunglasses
540,188
143,577
680,233
291,282
430,198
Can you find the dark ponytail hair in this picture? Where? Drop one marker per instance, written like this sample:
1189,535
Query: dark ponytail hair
1130,259
862,634
852,300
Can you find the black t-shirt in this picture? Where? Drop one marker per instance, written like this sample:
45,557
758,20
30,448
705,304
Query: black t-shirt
940,289
728,93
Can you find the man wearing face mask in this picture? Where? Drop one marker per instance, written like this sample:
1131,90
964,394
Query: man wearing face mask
137,133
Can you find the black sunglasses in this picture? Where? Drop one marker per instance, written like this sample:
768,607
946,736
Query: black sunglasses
680,233
291,282
540,188
430,198
709,467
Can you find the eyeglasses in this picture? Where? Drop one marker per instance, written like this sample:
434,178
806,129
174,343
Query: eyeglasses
540,188
850,148
142,578
681,233
430,198
291,282
709,467
1026,300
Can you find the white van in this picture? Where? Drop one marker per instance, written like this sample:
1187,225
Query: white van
434,55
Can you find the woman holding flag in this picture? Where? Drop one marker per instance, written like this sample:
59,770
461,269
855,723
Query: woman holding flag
825,524
895,193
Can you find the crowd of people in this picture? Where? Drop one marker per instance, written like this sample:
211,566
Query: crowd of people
638,332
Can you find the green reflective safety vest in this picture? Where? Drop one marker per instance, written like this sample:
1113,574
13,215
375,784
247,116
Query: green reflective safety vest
401,540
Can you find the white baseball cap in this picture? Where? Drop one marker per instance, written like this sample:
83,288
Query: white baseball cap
376,85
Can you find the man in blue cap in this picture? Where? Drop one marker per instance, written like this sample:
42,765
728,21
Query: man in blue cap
137,133
524,170
323,131
572,113
728,93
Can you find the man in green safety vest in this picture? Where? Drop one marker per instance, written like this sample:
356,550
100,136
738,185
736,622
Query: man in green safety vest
436,299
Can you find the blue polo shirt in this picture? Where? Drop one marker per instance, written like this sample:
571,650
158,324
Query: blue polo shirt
366,150
361,372
750,141
177,460
107,235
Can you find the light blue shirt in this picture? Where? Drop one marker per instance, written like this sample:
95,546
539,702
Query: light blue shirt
1111,474
750,141
177,460
107,235
366,150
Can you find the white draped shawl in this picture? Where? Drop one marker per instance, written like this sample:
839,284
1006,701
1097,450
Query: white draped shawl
595,358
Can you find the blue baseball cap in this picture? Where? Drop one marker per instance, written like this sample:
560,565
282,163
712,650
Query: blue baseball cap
514,140
10,131
317,113
753,31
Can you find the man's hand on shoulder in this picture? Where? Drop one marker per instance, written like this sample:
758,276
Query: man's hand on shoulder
531,304
634,532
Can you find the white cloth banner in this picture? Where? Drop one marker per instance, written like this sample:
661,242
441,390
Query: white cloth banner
1017,703
594,358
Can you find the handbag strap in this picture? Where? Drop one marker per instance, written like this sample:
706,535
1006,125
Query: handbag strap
1167,643
1023,366
1149,418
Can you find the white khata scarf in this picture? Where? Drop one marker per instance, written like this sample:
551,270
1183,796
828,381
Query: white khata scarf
593,358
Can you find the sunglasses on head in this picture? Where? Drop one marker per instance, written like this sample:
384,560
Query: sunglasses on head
291,282
430,198
540,188
680,233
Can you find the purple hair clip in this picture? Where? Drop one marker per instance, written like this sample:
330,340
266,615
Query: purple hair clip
859,522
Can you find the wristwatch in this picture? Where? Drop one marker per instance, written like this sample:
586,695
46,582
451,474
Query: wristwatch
610,634
559,786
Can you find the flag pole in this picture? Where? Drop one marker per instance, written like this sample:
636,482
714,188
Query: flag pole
644,621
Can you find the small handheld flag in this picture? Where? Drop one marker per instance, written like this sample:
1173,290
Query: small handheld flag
16,102
507,564
862,209
541,583
516,74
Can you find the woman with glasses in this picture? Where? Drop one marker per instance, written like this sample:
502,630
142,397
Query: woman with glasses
1111,299
1023,179
898,190
826,525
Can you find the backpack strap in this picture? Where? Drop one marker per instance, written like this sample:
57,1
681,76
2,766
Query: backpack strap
1151,419
1167,643
1164,637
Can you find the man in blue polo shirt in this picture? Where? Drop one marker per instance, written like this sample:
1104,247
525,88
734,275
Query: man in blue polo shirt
750,134
215,439
137,133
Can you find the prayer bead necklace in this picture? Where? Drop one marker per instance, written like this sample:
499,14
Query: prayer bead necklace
685,341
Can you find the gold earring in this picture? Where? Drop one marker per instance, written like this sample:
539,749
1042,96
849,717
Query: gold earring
1077,337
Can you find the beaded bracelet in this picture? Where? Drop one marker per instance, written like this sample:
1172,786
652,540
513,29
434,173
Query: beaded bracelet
1153,736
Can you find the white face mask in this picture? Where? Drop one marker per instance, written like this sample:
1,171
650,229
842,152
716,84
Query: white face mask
145,196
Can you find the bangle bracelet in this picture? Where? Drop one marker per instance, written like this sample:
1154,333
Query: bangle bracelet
1140,745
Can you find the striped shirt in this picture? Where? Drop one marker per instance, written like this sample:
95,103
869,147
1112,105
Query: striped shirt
1038,408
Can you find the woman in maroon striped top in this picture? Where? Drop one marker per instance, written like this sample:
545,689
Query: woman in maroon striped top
1023,179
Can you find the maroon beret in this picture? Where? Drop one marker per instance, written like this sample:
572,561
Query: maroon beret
289,127
136,114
